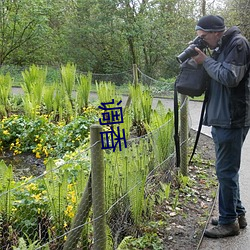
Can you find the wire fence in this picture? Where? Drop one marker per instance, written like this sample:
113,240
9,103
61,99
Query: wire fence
158,87
57,209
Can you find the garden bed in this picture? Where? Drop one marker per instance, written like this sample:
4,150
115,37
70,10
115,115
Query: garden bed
178,222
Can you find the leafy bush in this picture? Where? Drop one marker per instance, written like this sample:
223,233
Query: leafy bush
41,136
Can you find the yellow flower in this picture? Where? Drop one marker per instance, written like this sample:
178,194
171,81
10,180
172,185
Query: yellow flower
73,199
37,196
45,151
38,155
14,209
6,132
31,187
69,211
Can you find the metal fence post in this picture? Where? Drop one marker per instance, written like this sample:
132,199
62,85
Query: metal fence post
98,195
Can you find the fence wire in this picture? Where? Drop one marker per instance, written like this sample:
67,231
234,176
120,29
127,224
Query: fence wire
42,212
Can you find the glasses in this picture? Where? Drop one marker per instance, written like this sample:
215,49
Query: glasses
203,36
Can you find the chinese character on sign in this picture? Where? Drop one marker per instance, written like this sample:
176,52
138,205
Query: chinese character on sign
109,117
113,115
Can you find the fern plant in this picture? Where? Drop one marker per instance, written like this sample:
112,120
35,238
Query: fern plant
5,90
68,74
126,172
33,86
83,91
106,91
6,184
56,184
161,129
48,98
141,106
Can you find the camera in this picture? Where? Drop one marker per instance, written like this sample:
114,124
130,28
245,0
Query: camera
190,51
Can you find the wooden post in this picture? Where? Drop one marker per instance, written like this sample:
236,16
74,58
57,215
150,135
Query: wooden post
98,195
135,74
80,218
135,82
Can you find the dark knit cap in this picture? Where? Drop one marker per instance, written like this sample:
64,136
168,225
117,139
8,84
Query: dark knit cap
210,23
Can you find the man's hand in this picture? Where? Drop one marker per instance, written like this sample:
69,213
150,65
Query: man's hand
200,58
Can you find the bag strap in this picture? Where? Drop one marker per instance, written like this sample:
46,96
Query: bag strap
199,127
176,126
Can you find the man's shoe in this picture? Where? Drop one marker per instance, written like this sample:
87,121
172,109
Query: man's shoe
221,231
241,219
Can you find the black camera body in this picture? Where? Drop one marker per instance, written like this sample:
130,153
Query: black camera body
190,51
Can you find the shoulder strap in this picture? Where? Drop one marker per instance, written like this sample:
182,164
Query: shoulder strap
199,127
176,127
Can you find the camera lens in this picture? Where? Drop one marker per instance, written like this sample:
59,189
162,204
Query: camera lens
187,53
190,51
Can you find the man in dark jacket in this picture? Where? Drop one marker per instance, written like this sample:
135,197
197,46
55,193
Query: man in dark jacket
228,112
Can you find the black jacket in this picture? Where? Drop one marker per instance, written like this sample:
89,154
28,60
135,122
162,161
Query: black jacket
229,90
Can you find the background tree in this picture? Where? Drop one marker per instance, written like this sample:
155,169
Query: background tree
237,13
21,26
104,36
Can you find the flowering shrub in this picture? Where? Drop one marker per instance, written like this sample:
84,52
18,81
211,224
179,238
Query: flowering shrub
43,137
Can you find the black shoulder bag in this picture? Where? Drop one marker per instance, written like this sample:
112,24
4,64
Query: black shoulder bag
191,81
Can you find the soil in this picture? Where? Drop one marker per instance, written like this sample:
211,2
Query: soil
25,164
186,223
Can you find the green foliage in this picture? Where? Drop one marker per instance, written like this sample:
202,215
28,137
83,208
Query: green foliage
5,90
184,181
33,85
147,241
23,25
161,126
103,36
126,170
83,91
43,137
30,206
29,245
126,173
164,191
106,91
48,98
127,123
68,74
56,183
50,200
141,106
6,184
